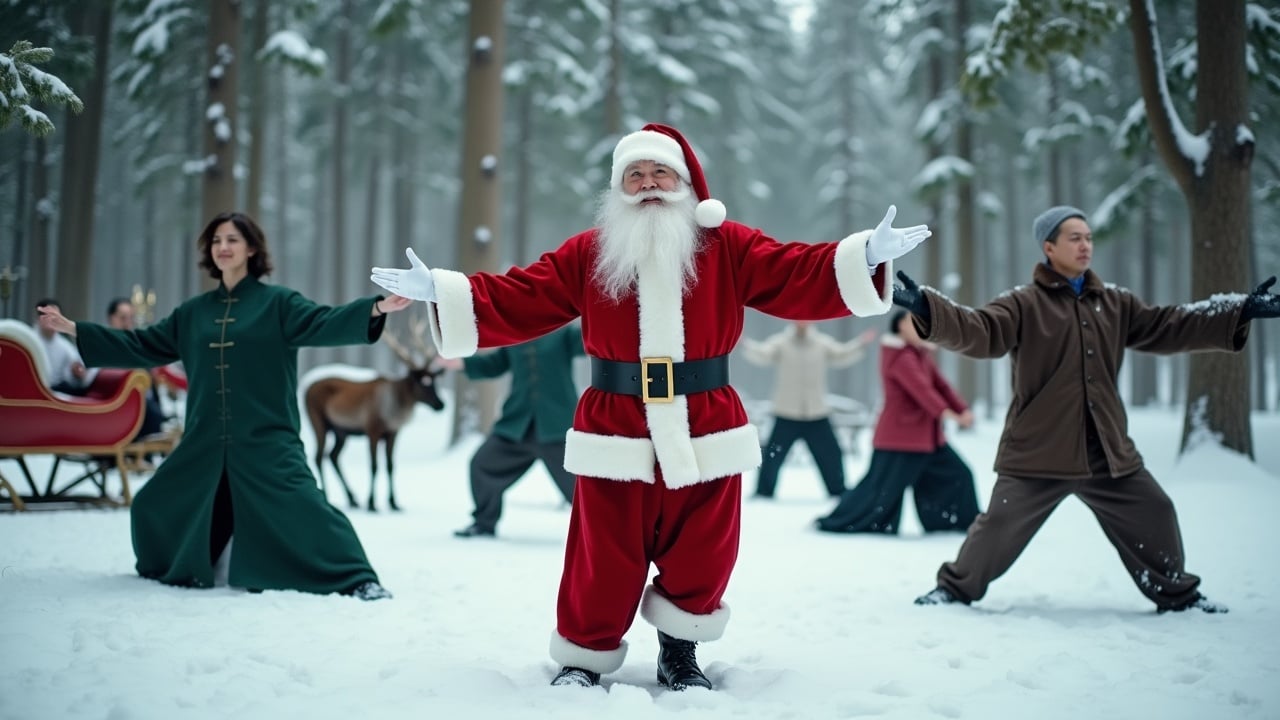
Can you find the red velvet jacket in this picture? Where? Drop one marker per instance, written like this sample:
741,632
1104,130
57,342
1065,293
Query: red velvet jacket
915,394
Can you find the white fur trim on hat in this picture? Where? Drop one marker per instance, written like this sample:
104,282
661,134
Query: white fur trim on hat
647,145
664,615
573,655
710,213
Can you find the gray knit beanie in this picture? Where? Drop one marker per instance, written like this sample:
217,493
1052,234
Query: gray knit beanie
1047,222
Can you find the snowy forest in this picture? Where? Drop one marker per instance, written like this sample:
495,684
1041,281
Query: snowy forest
479,133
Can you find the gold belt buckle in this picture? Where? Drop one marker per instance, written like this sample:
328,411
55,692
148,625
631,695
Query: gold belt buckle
644,376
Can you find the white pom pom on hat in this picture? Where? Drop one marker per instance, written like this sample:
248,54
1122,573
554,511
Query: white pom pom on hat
665,145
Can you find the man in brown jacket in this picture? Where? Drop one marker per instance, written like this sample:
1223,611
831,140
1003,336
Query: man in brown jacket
1066,333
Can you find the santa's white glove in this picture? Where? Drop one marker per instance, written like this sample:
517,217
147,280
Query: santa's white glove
414,283
890,243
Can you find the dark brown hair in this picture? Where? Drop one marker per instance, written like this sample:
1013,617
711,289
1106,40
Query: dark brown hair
259,261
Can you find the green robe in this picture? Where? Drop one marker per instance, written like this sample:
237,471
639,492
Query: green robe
542,389
240,350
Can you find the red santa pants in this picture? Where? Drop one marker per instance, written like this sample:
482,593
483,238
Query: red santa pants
616,530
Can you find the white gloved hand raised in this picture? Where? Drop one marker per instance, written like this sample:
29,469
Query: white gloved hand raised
415,283
890,243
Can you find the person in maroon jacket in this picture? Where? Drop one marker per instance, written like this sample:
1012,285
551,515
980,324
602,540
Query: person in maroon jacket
910,449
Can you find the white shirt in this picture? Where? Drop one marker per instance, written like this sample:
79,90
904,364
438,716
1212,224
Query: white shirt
800,389
62,354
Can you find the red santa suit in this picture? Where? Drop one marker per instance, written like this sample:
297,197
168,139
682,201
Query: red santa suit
657,483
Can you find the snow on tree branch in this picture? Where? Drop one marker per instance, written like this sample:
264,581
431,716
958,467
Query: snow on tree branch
292,49
1031,32
22,83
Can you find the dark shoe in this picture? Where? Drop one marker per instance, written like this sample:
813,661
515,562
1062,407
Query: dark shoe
677,666
473,530
939,596
370,590
576,677
1198,602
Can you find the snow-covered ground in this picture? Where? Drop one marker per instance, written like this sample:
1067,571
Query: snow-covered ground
823,625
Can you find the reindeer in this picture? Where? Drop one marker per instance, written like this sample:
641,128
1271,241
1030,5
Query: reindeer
376,408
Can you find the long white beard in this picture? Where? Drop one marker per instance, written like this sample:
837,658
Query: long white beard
664,237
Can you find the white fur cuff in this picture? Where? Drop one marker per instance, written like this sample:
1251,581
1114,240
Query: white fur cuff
452,317
572,655
664,615
857,289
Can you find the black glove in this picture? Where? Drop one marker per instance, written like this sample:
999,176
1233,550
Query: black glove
1259,304
909,295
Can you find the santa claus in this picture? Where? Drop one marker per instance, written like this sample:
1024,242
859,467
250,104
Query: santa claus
660,440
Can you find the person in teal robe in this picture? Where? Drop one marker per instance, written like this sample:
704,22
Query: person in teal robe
535,417
240,467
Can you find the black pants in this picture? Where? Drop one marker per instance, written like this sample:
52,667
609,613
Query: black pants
821,440
940,480
152,417
499,463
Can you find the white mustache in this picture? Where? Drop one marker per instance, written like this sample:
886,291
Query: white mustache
669,196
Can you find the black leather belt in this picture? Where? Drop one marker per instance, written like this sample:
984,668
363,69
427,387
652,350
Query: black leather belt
659,380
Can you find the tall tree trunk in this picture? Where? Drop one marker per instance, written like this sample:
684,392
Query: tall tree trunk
1217,193
933,267
38,284
257,113
613,87
218,191
524,157
966,243
281,244
1054,160
338,184
846,86
478,229
10,279
403,158
1144,390
80,154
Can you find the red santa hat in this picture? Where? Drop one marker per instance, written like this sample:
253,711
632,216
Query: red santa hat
665,145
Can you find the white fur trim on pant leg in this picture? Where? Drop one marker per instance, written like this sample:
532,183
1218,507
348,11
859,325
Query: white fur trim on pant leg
612,457
573,655
857,289
452,317
721,454
664,615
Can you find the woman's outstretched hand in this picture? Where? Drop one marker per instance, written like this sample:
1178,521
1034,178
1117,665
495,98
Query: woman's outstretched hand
51,319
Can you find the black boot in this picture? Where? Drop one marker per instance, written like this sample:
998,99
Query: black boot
576,677
677,666
370,590
474,530
939,596
1199,602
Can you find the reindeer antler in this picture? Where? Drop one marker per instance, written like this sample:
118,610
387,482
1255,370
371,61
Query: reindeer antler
417,333
399,349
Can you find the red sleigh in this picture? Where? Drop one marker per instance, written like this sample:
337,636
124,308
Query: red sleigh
95,429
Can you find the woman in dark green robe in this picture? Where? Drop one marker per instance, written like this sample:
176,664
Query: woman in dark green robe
240,466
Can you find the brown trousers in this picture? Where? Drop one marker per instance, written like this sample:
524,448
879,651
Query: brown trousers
1134,512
